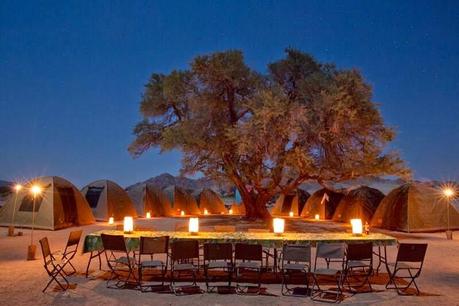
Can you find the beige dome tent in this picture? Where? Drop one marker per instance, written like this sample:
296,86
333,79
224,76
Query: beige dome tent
210,200
293,202
359,203
60,205
107,199
182,200
238,208
415,207
323,202
149,198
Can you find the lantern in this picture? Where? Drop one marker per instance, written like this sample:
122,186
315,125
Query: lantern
148,215
111,220
278,226
317,217
230,211
128,225
193,226
357,228
290,214
182,213
206,212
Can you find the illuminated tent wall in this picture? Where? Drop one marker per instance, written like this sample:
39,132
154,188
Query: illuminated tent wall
148,198
291,202
107,199
415,207
325,209
238,208
182,200
59,206
359,203
210,200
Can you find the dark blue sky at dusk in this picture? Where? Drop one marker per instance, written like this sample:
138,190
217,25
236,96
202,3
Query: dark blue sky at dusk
72,73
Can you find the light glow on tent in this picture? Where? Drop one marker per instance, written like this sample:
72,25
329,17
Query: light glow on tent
17,187
128,225
193,226
148,216
278,226
111,220
317,217
36,190
290,214
357,227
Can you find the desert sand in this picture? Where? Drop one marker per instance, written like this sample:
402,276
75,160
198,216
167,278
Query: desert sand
21,281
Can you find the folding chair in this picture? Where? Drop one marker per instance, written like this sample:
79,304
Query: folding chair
71,249
52,266
184,255
410,258
267,255
334,256
296,260
118,260
359,263
218,256
248,257
151,246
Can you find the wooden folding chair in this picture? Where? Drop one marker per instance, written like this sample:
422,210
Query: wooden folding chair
359,264
151,246
410,259
53,267
118,260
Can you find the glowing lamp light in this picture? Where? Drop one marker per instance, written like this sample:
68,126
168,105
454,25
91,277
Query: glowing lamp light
278,226
36,190
128,225
193,226
111,220
357,227
317,217
448,192
206,212
148,216
290,214
230,211
182,213
17,187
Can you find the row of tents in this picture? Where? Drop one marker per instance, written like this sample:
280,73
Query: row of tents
62,205
412,207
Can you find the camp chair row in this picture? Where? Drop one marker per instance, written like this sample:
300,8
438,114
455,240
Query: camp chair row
55,263
349,265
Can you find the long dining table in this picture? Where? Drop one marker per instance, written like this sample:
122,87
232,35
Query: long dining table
93,241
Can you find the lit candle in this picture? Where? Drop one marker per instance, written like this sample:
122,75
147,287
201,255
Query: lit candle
357,227
291,214
182,213
193,226
317,217
148,215
206,212
230,211
278,225
128,225
111,220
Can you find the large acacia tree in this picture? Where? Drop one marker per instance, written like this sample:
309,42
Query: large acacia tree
266,133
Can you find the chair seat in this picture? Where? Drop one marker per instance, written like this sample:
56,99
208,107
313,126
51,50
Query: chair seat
151,264
124,260
357,264
325,271
296,266
249,265
218,264
184,267
403,265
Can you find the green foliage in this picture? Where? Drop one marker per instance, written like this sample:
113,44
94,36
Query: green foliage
268,133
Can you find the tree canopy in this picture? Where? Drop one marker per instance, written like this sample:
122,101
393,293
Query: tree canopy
267,133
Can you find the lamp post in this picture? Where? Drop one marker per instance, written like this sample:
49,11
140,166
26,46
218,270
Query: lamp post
16,188
449,193
35,190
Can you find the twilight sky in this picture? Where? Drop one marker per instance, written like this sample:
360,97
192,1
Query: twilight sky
72,72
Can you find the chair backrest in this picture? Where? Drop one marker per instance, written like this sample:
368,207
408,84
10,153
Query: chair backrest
330,250
225,228
359,251
74,238
296,253
154,245
184,249
45,249
218,251
113,243
244,251
411,252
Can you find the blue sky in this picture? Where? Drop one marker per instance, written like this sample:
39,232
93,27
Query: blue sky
72,72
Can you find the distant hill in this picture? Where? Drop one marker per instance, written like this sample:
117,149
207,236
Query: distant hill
166,179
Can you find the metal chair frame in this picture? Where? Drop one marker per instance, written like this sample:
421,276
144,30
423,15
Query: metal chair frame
359,263
218,256
71,249
152,246
184,252
296,259
52,266
244,255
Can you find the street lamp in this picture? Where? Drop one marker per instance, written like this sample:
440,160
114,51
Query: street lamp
448,193
16,188
36,191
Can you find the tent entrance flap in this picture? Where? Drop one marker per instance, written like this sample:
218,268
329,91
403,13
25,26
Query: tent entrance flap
93,195
68,204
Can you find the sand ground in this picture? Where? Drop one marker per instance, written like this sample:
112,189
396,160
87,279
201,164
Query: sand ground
21,281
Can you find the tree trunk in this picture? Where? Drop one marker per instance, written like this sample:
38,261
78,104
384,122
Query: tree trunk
255,207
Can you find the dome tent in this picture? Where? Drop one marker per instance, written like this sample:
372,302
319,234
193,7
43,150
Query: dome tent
294,202
60,205
415,207
149,198
210,200
181,200
238,208
107,199
358,203
323,202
